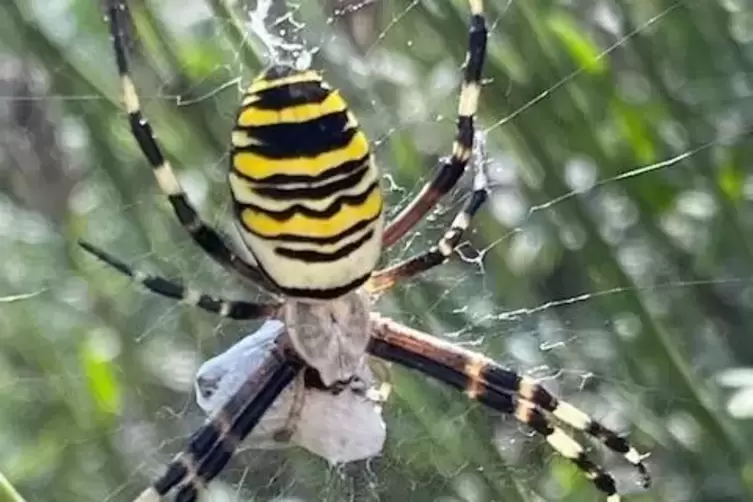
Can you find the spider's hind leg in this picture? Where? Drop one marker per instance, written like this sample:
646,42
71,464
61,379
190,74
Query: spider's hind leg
505,391
211,447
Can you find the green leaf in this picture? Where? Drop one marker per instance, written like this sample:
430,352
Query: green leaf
731,180
634,128
97,360
584,51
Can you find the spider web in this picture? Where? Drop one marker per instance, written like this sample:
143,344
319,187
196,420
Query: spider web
612,260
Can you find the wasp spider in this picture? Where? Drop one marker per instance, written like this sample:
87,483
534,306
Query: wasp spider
309,208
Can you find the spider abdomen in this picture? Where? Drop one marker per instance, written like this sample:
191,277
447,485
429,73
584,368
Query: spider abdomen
305,187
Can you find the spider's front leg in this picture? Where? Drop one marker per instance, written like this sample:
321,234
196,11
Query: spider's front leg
383,280
450,171
204,235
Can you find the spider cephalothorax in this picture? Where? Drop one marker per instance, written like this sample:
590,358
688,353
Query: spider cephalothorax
330,336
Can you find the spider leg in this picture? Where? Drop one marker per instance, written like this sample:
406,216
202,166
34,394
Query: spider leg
449,171
211,447
232,309
504,390
204,235
382,280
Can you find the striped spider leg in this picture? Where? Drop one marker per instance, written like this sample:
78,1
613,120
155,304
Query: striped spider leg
450,171
505,391
212,445
231,309
209,239
384,279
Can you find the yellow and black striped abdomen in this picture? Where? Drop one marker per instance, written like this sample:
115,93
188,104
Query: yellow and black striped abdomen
305,187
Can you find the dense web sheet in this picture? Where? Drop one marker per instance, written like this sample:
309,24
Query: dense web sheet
612,260
339,428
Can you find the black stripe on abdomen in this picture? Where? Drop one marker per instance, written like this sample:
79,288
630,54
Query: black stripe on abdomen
291,140
316,192
330,239
285,96
311,256
328,212
279,180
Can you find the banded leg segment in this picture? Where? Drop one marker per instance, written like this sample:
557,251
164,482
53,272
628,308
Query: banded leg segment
212,446
232,309
384,279
204,235
451,170
506,391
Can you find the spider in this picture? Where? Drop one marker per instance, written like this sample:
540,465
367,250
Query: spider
309,209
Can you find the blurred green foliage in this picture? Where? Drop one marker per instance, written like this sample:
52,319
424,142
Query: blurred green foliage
613,260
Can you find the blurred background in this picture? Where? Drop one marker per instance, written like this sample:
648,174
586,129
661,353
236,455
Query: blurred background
613,260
